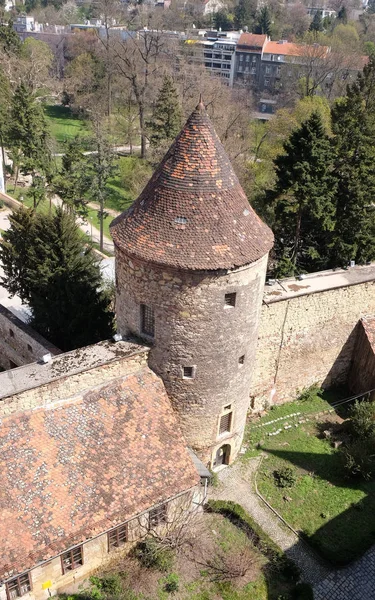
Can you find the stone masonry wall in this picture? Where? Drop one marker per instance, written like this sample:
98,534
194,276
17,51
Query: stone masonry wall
308,339
194,327
20,344
65,388
362,372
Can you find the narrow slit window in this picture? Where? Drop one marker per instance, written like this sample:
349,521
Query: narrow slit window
72,559
147,320
11,333
29,348
19,586
230,299
117,537
241,360
225,423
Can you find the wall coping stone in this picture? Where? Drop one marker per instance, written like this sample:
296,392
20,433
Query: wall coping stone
36,374
312,283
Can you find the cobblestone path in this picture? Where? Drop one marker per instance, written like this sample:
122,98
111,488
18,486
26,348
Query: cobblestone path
236,484
356,582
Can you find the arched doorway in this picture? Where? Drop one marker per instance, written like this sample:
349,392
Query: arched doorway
222,456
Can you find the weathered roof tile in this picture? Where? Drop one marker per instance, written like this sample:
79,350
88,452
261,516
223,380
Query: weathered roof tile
73,471
194,186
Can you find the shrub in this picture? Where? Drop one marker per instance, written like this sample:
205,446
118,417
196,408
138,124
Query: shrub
108,585
239,517
284,477
359,459
303,591
171,583
152,555
310,393
362,418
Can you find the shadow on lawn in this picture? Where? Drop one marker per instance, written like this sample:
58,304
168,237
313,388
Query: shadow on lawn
348,535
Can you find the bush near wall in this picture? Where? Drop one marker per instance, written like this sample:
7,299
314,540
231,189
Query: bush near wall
239,517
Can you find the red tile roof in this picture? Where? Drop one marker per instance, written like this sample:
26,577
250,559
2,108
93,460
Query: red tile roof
291,49
73,471
193,214
252,40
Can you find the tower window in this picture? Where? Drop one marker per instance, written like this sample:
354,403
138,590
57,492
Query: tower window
11,333
241,360
189,372
117,537
147,320
225,423
29,348
19,586
230,299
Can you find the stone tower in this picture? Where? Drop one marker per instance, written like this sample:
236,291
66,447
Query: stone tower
191,257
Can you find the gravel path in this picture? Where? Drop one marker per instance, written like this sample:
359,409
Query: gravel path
237,484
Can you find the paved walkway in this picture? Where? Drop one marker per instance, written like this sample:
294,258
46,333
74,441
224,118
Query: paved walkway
237,484
355,582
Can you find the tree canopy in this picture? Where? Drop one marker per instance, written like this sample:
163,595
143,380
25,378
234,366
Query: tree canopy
46,263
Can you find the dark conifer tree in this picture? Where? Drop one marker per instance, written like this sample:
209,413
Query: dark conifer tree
74,178
165,123
27,134
353,123
304,199
264,22
47,264
317,22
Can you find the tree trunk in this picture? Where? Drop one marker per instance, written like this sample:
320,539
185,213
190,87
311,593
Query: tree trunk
297,236
101,221
143,135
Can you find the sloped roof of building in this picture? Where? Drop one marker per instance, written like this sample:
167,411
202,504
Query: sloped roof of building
73,471
290,49
193,214
252,40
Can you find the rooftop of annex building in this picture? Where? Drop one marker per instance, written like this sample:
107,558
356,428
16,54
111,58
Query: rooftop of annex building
311,283
70,363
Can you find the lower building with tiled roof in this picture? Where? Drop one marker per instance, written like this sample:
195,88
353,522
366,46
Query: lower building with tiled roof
87,472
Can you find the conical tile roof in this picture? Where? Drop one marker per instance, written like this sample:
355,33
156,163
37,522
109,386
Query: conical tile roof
193,214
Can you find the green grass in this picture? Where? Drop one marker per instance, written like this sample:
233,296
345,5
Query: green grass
64,125
93,218
258,429
335,514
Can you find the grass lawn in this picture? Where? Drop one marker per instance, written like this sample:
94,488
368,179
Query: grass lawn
336,514
64,125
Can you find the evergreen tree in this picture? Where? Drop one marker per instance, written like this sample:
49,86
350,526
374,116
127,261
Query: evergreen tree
342,15
244,14
304,199
46,263
264,22
28,138
10,42
165,123
353,123
223,21
317,22
73,179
